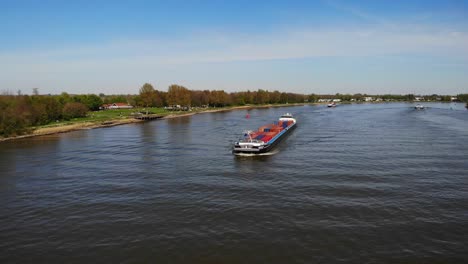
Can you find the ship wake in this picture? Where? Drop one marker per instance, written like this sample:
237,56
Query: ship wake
256,155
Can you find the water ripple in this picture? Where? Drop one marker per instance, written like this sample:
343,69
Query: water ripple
358,183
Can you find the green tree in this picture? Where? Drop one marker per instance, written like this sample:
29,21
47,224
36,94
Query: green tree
73,110
284,98
93,102
148,96
262,97
275,97
463,97
53,108
410,97
15,115
219,98
64,98
312,98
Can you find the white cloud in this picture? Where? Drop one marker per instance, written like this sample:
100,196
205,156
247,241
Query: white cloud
138,59
304,43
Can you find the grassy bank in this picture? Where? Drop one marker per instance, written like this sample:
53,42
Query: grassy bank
105,116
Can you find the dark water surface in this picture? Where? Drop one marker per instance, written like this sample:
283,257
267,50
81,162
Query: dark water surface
356,184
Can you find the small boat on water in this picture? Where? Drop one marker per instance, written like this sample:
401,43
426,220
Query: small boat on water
332,104
419,107
266,138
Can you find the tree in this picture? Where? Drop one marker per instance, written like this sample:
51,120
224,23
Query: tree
146,88
92,101
109,99
284,98
410,97
312,98
219,98
238,98
53,108
15,115
72,110
178,95
463,97
446,98
275,97
262,97
39,114
64,98
149,97
249,97
199,98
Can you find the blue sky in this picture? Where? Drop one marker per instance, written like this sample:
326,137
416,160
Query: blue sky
326,46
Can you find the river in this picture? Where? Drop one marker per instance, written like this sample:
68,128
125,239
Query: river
359,183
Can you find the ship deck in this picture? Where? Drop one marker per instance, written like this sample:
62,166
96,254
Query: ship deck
268,132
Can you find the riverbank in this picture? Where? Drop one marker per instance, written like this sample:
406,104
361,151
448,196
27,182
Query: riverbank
88,123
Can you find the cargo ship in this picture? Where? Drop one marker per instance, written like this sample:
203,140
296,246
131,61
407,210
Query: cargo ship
266,137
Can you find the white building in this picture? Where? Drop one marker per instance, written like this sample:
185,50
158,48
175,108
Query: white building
118,106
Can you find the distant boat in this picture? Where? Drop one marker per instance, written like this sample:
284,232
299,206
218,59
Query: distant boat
332,104
419,107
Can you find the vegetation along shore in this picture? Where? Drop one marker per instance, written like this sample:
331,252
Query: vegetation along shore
31,115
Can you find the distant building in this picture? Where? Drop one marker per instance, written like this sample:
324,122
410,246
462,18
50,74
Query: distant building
368,99
453,98
418,98
336,100
177,108
116,106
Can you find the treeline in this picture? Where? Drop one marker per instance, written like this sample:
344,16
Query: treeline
180,95
18,113
384,97
463,98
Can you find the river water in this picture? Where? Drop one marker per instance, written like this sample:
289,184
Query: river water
359,183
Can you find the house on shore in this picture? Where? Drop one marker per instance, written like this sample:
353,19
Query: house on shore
116,106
